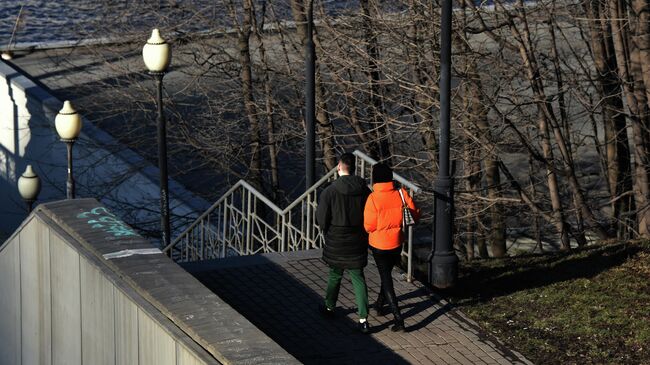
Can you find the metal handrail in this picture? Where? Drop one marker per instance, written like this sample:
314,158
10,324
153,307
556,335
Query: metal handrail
233,226
313,188
261,197
203,216
240,183
398,178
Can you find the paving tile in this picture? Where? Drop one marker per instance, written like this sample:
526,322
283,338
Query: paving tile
474,359
407,356
281,298
503,362
448,359
434,359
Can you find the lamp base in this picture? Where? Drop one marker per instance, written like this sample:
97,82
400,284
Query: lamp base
443,267
443,270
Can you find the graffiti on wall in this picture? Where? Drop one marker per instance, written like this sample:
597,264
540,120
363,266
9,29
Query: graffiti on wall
100,218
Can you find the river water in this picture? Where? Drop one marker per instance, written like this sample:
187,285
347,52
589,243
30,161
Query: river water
44,21
74,20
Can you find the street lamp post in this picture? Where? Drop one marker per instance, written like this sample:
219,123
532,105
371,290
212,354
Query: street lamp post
68,126
157,57
310,100
29,185
443,267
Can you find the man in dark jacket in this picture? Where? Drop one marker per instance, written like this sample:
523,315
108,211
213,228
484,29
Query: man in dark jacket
340,217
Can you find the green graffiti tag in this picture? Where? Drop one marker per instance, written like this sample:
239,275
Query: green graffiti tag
101,218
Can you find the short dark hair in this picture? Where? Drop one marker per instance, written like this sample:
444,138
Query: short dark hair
349,161
381,173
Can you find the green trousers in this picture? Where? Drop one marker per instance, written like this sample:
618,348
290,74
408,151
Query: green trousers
358,284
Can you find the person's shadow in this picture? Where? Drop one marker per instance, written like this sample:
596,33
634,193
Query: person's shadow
409,308
282,300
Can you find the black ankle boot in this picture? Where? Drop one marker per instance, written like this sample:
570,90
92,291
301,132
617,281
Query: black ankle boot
380,311
398,324
378,306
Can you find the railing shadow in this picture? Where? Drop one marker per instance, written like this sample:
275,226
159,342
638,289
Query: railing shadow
281,299
408,308
421,306
479,283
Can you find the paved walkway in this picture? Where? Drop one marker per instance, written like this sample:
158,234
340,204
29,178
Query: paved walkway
279,293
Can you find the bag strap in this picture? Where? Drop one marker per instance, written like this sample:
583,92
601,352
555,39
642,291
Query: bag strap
402,196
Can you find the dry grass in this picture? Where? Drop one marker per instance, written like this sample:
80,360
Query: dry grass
589,306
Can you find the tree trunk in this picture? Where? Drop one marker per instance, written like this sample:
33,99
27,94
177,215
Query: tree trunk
381,146
621,40
472,168
533,191
422,102
472,174
553,186
493,179
270,124
641,11
528,200
247,93
479,111
617,146
547,149
580,234
548,119
640,93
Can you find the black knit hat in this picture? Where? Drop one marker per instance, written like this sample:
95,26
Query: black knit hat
381,173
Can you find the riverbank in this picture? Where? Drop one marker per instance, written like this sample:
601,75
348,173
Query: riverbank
588,306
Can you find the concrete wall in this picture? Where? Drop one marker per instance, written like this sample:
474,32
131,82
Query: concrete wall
60,305
105,170
79,286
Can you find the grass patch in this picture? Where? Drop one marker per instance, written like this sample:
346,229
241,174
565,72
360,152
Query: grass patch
588,306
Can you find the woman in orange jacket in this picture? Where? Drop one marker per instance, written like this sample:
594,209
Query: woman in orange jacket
383,221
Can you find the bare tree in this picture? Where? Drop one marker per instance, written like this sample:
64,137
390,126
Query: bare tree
530,76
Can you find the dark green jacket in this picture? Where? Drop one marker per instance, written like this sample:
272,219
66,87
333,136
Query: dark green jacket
340,218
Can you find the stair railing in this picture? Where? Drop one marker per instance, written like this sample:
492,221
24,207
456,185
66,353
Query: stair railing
244,222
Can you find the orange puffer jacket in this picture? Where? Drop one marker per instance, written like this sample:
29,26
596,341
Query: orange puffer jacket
382,216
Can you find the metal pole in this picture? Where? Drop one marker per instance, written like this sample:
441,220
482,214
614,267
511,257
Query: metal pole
30,204
70,193
162,163
443,268
310,100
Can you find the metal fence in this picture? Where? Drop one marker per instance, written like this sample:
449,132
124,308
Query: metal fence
244,222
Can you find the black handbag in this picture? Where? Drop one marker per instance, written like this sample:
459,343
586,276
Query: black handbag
407,217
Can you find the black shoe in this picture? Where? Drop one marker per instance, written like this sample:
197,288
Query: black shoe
379,304
379,310
398,326
398,323
325,312
364,327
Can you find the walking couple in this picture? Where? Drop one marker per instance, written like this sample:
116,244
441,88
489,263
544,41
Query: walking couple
351,218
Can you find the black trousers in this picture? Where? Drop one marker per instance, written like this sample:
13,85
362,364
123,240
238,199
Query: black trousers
386,260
